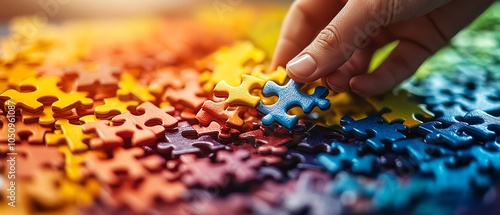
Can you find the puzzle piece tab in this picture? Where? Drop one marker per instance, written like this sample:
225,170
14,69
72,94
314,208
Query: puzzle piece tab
240,95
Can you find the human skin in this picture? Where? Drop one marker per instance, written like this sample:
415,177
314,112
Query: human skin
341,52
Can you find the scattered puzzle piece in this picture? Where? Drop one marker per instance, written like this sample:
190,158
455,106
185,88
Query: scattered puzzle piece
131,89
347,154
71,135
452,136
114,106
290,96
482,125
240,95
374,129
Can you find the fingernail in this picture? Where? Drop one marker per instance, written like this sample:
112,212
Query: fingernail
330,85
302,66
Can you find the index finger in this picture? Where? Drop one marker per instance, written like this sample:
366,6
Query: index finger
301,25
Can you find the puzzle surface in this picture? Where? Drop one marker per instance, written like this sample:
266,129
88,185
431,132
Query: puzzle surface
165,121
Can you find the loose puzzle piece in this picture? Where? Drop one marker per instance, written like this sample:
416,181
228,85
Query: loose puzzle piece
177,144
289,96
452,136
71,135
131,89
240,95
449,114
374,129
195,172
268,143
347,154
419,150
165,78
143,197
454,179
30,158
45,91
111,135
101,75
481,100
486,158
266,158
47,117
482,125
220,112
239,165
33,132
114,106
319,138
149,116
397,107
191,96
123,160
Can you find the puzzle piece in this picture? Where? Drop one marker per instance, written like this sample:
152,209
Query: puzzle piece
71,135
239,165
220,112
240,95
419,150
149,116
100,75
449,114
112,135
130,89
194,172
347,153
191,96
114,106
482,125
452,136
32,132
165,78
143,197
480,100
177,144
30,158
318,139
44,91
397,107
268,158
129,161
289,96
268,143
454,179
229,64
485,157
374,129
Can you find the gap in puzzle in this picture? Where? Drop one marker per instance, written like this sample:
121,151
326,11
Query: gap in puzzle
181,116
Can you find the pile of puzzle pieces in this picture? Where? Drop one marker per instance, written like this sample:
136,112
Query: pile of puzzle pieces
167,123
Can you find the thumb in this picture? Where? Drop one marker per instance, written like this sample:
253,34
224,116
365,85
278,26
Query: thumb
348,31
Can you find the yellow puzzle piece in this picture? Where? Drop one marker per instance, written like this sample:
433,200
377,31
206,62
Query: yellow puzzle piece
131,89
240,95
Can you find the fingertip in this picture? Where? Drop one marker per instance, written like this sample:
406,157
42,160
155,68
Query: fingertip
363,86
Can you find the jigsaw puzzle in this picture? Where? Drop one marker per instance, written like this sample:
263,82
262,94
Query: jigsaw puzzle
185,117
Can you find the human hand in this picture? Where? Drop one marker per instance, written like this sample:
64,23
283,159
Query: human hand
341,52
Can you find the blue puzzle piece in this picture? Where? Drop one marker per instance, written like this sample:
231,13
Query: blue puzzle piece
485,158
453,179
481,100
452,136
449,114
348,154
482,125
418,150
382,190
304,160
318,139
374,129
289,96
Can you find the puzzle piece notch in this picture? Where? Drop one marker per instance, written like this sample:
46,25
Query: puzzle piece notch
240,95
452,136
289,96
374,129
